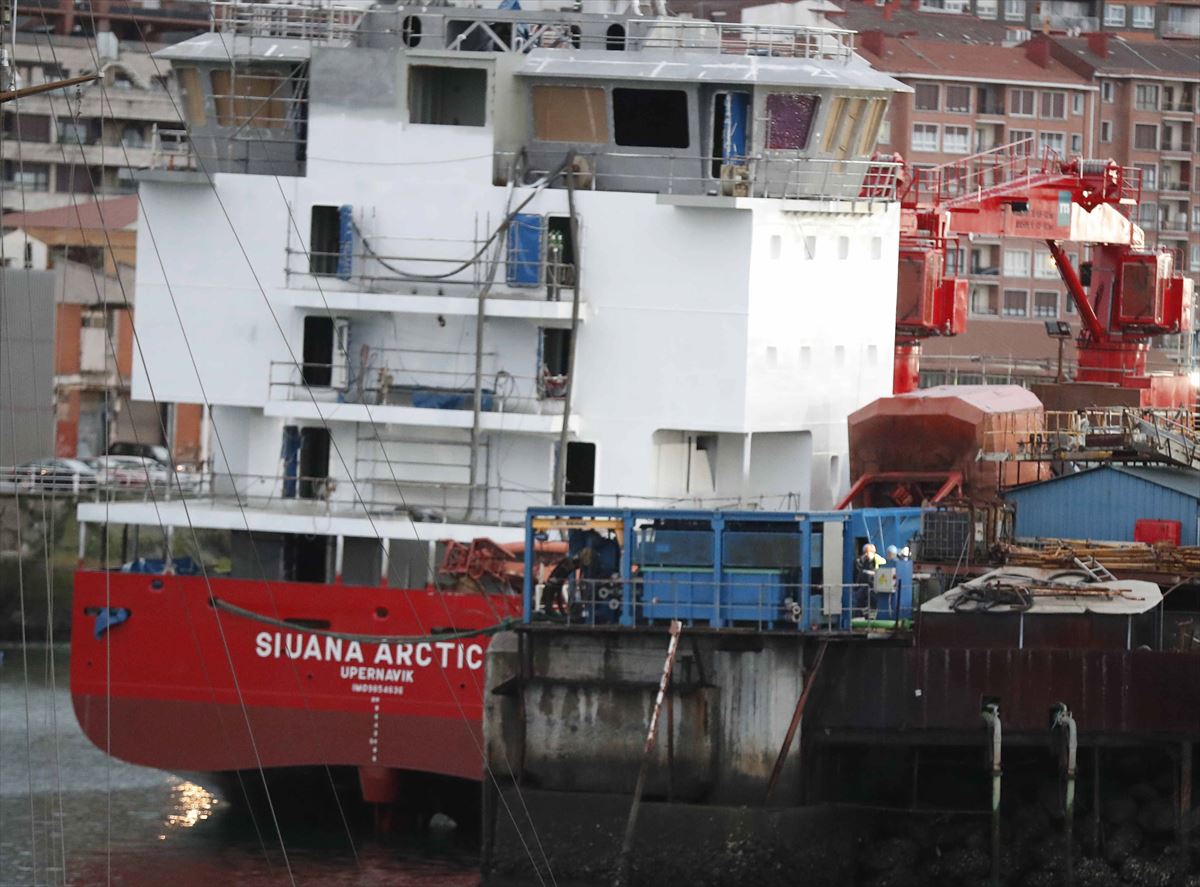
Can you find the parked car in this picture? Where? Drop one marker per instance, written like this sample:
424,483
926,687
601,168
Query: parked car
54,475
157,452
130,471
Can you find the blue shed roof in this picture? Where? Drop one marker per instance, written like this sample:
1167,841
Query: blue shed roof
1180,480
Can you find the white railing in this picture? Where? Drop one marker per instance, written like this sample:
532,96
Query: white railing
752,176
319,23
393,377
738,38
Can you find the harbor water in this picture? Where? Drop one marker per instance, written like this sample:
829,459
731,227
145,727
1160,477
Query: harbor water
71,815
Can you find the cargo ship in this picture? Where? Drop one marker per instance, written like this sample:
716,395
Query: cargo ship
426,267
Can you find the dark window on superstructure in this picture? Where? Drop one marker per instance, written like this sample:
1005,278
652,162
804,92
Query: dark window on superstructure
614,38
317,371
323,240
650,118
446,96
581,473
314,463
789,120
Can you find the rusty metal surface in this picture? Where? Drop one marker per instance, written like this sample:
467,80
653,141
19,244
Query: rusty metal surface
1122,694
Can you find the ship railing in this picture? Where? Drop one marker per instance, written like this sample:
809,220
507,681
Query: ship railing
772,177
1099,434
388,489
383,262
395,377
171,149
316,22
743,38
749,599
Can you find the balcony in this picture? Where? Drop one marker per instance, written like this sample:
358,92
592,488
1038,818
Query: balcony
1077,24
1186,30
420,388
761,176
1178,225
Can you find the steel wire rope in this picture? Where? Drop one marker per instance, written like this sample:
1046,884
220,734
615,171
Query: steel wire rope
75,206
46,541
333,442
275,318
494,265
151,492
20,577
154,399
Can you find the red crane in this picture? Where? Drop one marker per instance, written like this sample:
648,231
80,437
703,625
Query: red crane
1124,293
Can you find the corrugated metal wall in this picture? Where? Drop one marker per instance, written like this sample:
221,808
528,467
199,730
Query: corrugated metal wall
1102,504
26,365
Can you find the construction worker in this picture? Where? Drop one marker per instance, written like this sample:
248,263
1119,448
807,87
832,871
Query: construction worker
866,565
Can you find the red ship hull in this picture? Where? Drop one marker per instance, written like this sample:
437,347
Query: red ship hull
181,685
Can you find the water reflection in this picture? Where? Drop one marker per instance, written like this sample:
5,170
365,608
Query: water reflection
92,820
193,803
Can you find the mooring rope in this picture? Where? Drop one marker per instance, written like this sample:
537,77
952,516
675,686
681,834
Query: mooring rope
502,625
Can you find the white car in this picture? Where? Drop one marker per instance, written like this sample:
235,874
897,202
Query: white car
130,472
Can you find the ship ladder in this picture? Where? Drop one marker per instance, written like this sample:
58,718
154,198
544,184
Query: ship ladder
1095,569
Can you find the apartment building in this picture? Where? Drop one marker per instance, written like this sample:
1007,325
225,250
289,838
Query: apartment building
69,144
1143,20
972,98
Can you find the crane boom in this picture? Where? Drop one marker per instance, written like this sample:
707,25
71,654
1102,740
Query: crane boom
1125,294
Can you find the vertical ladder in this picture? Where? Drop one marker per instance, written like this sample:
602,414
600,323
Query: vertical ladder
1095,569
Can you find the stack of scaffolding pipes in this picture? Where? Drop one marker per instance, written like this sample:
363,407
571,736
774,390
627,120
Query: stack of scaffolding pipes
1118,557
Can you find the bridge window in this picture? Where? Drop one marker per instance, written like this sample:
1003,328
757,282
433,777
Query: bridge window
250,99
789,120
650,118
570,114
446,96
193,95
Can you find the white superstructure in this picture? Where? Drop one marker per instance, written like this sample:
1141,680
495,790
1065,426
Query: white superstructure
335,223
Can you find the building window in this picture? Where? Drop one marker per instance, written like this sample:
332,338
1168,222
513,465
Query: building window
885,132
1106,91
1016,263
983,300
1149,175
789,120
1016,303
73,132
1044,267
650,118
1194,260
76,178
1022,139
1052,141
1145,137
1148,215
570,114
1021,102
1045,304
924,137
986,8
1076,144
1143,16
30,176
958,99
1077,103
1105,131
1014,10
1054,106
27,127
1146,97
925,96
956,139
445,96
1114,15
